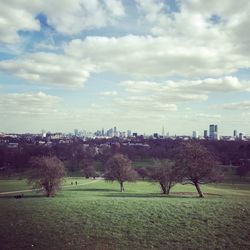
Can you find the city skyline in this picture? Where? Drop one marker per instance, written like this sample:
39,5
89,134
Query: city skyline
141,65
212,133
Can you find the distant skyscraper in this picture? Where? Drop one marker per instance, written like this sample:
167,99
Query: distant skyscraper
129,133
110,132
195,134
163,131
235,133
216,128
115,132
213,132
241,136
205,134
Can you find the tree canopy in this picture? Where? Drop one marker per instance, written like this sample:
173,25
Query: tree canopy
196,164
119,168
46,173
165,172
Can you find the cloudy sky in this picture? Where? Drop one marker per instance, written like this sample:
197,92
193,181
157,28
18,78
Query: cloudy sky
134,64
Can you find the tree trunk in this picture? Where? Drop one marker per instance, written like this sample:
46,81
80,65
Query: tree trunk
122,187
198,189
48,192
168,188
163,188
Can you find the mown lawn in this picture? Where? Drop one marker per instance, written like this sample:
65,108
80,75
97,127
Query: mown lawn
95,215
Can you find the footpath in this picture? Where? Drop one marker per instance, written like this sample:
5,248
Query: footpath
37,189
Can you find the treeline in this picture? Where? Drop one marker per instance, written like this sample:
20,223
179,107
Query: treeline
76,154
190,163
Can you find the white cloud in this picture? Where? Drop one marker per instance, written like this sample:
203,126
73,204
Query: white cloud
109,93
65,16
186,90
49,68
142,107
73,16
183,49
160,97
214,24
208,116
151,56
244,105
115,7
32,104
225,84
16,16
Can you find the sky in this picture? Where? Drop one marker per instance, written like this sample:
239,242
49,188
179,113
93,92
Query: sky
135,64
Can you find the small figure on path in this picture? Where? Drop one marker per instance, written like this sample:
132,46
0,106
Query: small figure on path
76,183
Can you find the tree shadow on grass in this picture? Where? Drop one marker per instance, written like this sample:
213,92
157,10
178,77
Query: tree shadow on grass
155,195
92,189
141,195
23,197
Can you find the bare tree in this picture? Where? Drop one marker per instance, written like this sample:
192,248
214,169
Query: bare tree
166,173
196,164
87,166
119,168
143,172
46,173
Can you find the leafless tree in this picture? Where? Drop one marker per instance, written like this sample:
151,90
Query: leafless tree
119,168
166,173
143,172
87,167
196,164
46,173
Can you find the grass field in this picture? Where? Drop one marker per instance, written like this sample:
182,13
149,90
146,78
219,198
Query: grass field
95,215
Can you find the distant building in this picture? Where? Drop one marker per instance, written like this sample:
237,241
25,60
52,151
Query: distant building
110,132
213,132
241,137
155,135
13,145
205,134
163,131
135,134
98,133
195,134
115,131
56,136
44,133
129,133
122,134
235,133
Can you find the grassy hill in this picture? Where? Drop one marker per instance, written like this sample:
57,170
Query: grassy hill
95,215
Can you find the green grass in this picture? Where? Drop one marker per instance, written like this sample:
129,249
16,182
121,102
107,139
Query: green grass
95,215
12,185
